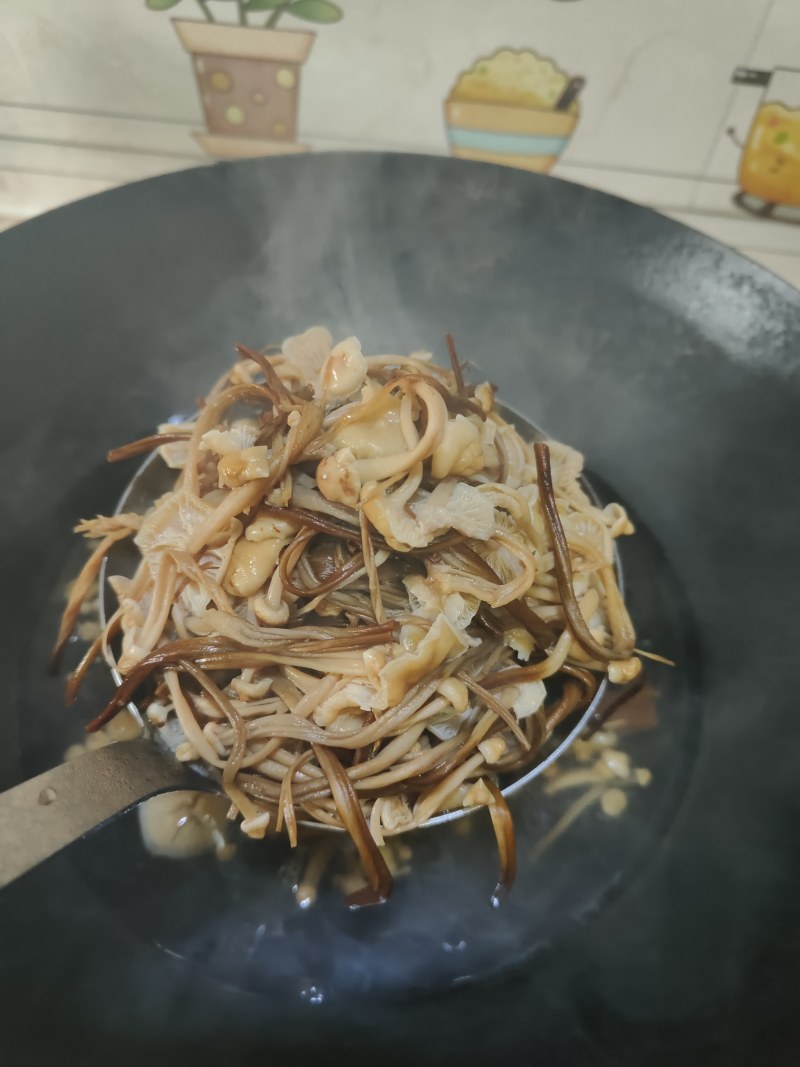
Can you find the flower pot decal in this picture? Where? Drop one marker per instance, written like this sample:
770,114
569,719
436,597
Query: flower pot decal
248,81
515,108
248,76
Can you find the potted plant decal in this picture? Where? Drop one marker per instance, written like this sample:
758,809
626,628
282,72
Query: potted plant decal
248,75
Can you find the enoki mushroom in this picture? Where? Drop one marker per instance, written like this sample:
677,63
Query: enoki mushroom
366,599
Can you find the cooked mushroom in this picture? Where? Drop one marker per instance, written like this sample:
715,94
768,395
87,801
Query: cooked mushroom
366,600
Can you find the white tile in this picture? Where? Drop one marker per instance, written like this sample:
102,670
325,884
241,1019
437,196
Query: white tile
109,94
778,44
93,55
658,72
92,130
654,190
785,266
744,231
716,197
661,87
23,194
109,165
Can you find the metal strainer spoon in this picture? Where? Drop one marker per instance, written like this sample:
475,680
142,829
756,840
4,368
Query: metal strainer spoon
41,816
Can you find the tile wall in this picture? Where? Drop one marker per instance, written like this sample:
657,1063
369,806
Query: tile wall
689,106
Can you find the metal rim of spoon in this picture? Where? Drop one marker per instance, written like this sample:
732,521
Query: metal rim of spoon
45,814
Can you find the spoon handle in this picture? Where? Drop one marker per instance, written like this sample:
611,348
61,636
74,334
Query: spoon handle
45,814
